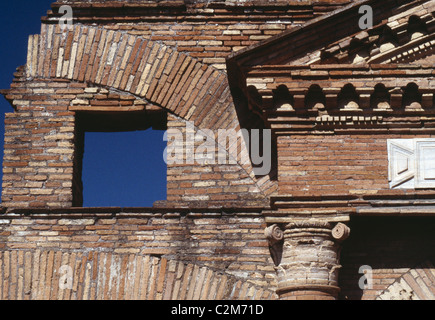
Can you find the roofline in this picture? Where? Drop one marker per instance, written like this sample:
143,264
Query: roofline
326,19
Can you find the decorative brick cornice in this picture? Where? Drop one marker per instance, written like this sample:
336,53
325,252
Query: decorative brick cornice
181,11
341,208
292,81
283,48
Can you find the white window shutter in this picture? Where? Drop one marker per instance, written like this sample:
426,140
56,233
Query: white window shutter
411,163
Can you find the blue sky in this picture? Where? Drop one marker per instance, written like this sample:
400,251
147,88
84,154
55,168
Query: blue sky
119,169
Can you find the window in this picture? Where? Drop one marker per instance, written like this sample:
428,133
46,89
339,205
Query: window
411,163
121,163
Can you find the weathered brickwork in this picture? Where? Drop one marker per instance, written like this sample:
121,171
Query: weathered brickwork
332,96
206,30
340,164
40,275
333,100
212,241
184,81
38,158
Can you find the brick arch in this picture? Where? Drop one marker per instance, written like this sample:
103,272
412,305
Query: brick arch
416,284
97,275
129,63
149,70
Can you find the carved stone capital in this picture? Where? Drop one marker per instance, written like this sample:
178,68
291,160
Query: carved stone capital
310,256
274,234
311,224
340,232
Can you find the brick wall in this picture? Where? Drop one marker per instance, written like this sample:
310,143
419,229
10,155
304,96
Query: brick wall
133,65
207,30
225,248
184,81
335,164
60,275
199,169
181,48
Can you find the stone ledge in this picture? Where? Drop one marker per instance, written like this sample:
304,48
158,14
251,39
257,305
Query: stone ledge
124,11
126,213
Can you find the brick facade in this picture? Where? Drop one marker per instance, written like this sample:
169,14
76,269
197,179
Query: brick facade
208,241
332,101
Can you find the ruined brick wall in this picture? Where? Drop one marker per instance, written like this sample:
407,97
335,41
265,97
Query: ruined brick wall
162,54
44,145
57,144
67,88
180,47
177,253
162,64
207,30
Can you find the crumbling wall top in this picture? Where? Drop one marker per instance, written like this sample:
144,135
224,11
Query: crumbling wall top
257,2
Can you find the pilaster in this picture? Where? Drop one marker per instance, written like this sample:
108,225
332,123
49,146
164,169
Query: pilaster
306,253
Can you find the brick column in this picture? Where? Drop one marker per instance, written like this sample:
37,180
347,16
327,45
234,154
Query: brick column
307,258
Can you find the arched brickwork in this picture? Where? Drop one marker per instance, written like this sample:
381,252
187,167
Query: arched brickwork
60,275
416,284
145,70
